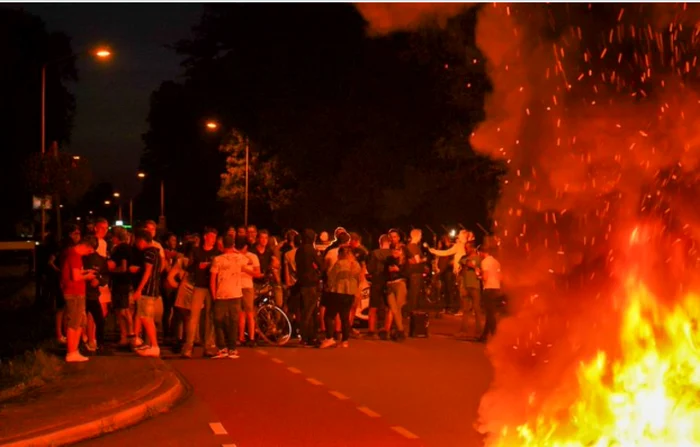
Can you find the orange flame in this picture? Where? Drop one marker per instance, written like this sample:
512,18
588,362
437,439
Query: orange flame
647,397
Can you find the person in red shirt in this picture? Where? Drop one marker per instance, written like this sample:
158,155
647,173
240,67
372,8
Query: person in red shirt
73,278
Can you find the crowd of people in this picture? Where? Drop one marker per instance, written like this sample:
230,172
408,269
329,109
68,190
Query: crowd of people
202,289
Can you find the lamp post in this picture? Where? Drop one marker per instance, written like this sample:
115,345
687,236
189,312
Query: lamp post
101,53
161,218
119,205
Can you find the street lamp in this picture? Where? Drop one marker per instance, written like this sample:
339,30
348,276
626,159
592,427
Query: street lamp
212,125
161,218
100,53
116,194
107,202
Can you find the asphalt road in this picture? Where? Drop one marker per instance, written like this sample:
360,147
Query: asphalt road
423,392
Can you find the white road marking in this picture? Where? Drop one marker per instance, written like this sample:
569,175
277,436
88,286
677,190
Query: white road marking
276,360
294,370
405,433
339,395
369,412
218,428
313,381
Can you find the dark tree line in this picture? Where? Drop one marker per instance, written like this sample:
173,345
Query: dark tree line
25,45
374,131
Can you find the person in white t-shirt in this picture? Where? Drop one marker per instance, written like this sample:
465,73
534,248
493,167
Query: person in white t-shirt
491,298
227,291
248,302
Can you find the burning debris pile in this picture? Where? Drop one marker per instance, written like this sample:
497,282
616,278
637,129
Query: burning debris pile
596,110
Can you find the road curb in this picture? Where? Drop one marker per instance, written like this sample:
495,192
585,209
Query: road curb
171,390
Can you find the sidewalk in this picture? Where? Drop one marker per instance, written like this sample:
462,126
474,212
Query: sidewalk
90,399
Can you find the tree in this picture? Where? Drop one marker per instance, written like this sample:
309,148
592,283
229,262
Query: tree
348,129
25,46
268,180
59,175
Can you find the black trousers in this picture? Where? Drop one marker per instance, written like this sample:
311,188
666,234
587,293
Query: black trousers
338,304
168,312
448,279
94,308
226,322
309,301
490,302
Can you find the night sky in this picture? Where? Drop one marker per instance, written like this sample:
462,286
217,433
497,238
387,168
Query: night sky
112,98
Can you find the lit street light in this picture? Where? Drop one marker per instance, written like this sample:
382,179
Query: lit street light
103,53
116,194
212,125
161,218
107,202
100,53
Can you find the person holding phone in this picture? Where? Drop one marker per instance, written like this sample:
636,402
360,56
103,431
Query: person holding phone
73,285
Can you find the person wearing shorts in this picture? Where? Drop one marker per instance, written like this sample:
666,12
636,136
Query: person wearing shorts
226,271
73,281
118,265
248,290
147,293
377,295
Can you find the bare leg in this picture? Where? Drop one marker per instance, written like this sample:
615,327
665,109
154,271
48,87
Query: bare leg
372,320
250,316
149,327
60,323
241,326
73,339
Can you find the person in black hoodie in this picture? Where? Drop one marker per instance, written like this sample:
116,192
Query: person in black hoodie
309,265
97,264
396,274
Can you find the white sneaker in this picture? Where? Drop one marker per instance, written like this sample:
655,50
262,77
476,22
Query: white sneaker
222,354
149,352
328,343
75,357
233,354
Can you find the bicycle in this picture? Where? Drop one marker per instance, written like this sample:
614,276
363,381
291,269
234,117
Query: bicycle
271,323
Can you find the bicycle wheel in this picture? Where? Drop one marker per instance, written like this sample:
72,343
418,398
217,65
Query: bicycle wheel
273,325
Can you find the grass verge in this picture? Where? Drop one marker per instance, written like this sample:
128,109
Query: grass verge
25,372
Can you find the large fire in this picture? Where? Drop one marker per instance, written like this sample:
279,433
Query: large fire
595,111
647,397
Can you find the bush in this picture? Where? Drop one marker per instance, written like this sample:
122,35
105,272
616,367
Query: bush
31,370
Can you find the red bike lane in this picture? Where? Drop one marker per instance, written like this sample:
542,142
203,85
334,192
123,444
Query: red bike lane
260,402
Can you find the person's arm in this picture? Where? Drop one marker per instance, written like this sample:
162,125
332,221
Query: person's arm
275,266
213,277
104,274
449,252
52,263
77,272
316,259
172,275
147,272
287,274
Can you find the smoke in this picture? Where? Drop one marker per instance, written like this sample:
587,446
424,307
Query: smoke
595,109
385,18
